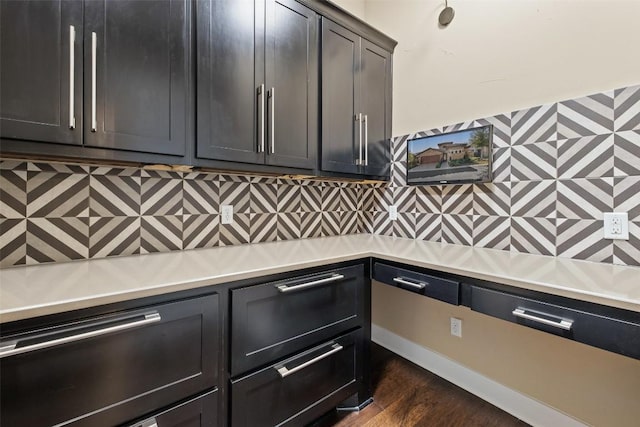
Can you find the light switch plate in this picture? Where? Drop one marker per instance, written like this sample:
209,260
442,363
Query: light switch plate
616,225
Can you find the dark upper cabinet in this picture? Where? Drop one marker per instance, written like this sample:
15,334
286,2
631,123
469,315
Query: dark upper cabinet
257,78
137,71
41,78
356,103
103,74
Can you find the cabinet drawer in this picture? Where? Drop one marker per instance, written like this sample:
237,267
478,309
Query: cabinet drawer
199,412
299,389
618,336
111,369
425,284
276,319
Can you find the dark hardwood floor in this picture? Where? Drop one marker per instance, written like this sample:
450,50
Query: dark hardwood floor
407,395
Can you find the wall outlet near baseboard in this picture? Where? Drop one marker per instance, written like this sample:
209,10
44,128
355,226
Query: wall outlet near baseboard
456,327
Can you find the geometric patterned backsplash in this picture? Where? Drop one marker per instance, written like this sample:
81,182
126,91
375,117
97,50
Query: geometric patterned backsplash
60,212
557,168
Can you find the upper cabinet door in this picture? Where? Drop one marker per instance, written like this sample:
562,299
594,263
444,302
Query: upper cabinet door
137,94
375,104
231,98
291,63
340,91
41,77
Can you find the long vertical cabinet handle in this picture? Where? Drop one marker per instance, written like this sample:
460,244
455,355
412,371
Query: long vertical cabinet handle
365,123
358,118
261,95
72,76
272,95
94,55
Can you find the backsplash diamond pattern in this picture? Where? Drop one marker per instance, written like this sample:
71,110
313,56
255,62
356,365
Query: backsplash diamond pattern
556,169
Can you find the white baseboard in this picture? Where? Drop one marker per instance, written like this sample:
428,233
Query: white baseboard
517,404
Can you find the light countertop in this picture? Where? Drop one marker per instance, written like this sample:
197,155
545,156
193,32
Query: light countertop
38,290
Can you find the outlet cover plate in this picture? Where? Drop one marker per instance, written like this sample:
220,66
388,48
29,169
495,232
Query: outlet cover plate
616,225
226,214
456,327
393,213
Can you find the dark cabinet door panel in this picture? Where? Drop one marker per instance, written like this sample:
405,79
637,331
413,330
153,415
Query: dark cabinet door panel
141,76
130,363
340,59
275,319
301,388
41,78
199,412
292,81
229,44
375,99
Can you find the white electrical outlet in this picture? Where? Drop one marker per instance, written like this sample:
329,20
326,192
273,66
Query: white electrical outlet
227,214
456,327
616,225
393,213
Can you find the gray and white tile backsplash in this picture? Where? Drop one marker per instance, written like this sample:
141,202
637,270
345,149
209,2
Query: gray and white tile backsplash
53,212
556,169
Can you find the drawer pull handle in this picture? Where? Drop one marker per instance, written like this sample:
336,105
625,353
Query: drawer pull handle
287,288
562,324
151,422
418,285
10,348
285,372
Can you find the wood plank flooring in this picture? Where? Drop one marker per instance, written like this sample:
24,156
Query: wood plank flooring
407,395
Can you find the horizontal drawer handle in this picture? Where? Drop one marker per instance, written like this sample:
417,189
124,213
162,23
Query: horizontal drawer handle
151,422
562,323
287,288
285,372
418,285
10,348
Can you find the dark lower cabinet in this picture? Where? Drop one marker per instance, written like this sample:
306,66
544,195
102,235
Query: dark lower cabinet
110,369
299,389
275,319
201,411
429,285
617,331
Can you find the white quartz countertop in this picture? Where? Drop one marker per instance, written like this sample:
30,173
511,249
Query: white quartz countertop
38,290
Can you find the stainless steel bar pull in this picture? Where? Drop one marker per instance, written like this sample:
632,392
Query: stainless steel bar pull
11,348
261,95
287,288
365,124
72,76
151,422
358,120
94,58
272,95
403,281
285,372
564,324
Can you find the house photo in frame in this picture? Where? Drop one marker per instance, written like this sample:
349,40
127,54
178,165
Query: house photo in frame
451,158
